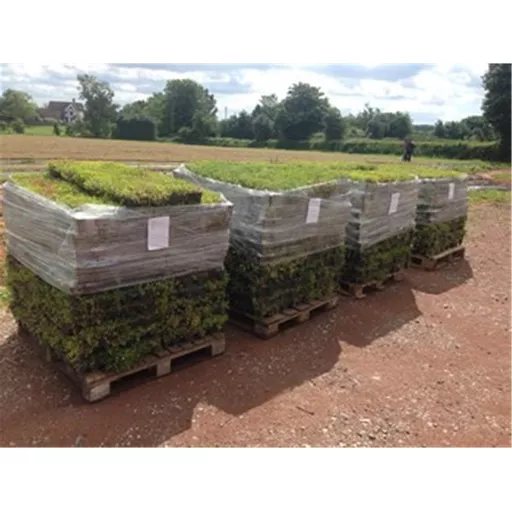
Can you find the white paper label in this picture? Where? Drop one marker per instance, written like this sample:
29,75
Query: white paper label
313,210
158,233
451,191
393,206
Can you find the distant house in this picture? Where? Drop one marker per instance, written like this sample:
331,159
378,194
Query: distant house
64,111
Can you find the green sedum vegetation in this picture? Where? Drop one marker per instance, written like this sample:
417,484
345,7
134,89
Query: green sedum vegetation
77,183
114,330
265,290
291,175
435,238
378,262
126,185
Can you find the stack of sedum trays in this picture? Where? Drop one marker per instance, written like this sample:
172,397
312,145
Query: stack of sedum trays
108,263
287,238
441,214
381,228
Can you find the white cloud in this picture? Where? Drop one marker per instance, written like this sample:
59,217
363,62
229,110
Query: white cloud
445,91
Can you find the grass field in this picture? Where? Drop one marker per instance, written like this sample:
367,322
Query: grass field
21,148
496,197
504,177
39,130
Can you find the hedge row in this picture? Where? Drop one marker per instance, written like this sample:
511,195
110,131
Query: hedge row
135,129
460,150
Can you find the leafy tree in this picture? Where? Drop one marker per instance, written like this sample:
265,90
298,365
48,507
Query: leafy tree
454,130
77,128
439,129
496,105
363,119
400,125
100,110
479,128
151,109
56,129
136,110
18,105
244,126
388,124
377,127
18,126
226,126
472,127
334,125
238,126
262,127
302,112
268,105
185,100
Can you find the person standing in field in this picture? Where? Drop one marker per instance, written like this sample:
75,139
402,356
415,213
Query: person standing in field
408,150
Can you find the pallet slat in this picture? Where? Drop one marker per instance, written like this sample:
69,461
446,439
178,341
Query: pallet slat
95,386
268,327
357,290
435,262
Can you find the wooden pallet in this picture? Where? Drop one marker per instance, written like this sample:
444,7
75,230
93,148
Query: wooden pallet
268,327
97,385
357,290
434,262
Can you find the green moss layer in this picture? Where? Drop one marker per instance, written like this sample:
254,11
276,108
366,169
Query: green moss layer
287,176
114,330
291,175
377,262
69,194
435,238
264,290
126,185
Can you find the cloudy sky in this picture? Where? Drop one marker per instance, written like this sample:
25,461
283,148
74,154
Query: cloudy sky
427,91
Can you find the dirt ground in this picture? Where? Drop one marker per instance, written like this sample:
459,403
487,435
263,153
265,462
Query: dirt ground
32,150
25,147
424,363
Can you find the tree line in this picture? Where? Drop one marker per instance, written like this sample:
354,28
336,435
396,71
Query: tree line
187,111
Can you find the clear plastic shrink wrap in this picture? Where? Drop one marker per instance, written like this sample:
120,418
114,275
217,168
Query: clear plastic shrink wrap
96,248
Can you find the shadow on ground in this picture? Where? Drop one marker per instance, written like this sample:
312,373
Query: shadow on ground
40,407
441,280
363,321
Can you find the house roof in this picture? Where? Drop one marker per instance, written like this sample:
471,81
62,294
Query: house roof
56,109
59,106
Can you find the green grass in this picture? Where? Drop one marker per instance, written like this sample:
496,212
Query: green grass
40,130
503,176
76,183
287,176
432,173
497,197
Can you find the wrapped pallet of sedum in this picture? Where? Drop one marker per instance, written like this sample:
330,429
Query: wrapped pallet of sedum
442,212
108,263
381,228
287,232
